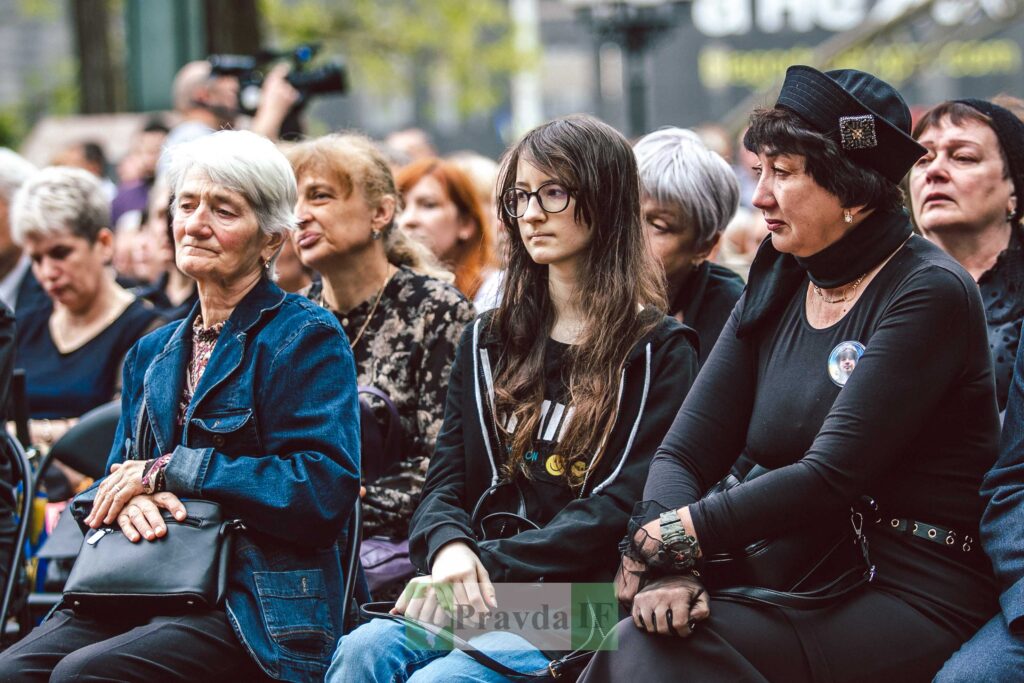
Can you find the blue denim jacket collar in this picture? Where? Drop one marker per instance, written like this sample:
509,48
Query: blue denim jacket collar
162,396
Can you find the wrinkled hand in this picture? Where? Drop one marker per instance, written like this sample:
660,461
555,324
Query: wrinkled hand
457,578
627,580
122,484
671,605
141,517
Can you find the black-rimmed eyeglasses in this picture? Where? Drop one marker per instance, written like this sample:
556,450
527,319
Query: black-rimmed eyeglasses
552,198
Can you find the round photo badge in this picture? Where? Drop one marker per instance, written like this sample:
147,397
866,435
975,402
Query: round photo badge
843,360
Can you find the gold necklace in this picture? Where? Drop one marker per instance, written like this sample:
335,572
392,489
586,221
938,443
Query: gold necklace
373,309
849,291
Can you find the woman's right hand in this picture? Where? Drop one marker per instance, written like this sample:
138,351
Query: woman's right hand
457,578
671,605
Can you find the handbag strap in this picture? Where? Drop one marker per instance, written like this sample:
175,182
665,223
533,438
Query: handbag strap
395,433
143,434
849,581
556,668
823,597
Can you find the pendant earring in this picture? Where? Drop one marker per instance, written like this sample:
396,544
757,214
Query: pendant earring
375,234
847,216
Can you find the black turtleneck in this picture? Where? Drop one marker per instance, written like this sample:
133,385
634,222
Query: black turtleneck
705,301
774,276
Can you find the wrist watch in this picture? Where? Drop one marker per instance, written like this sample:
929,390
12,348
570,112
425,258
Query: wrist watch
679,549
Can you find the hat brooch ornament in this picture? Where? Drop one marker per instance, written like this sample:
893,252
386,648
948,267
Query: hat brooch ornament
858,132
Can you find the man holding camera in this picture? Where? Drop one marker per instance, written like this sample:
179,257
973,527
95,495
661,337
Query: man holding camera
208,102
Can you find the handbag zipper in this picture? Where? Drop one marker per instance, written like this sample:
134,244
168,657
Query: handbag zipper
194,522
95,538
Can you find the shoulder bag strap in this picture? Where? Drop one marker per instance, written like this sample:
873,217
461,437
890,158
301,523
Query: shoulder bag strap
392,440
849,582
555,668
142,435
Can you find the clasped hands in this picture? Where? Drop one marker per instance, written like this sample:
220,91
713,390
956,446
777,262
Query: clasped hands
120,497
669,605
458,580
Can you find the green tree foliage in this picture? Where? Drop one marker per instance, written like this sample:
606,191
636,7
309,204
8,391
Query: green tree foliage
468,41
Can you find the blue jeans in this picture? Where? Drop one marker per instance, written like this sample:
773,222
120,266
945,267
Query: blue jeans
993,655
381,652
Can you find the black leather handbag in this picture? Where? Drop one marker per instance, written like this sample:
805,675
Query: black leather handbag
804,570
184,570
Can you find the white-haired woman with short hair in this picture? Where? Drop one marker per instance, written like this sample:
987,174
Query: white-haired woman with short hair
72,348
690,194
18,287
251,403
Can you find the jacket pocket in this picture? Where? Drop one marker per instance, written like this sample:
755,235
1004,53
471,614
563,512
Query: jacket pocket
230,431
294,606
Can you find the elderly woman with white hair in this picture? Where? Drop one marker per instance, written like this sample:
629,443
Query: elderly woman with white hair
71,348
18,287
249,402
689,195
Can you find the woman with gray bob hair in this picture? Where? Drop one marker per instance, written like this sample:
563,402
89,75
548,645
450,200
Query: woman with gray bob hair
689,195
59,200
71,346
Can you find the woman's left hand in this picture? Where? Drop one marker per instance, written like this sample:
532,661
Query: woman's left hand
142,517
671,605
114,492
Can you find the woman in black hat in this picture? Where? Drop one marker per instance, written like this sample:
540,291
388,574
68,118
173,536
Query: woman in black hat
964,194
913,426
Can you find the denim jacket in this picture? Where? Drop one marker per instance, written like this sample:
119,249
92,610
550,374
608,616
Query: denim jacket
272,434
1002,525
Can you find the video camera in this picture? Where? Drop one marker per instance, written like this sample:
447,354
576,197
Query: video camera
249,70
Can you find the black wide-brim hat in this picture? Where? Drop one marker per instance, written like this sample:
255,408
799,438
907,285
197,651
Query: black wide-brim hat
866,116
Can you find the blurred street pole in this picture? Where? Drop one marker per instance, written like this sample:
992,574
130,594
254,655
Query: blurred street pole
635,25
101,87
233,27
527,106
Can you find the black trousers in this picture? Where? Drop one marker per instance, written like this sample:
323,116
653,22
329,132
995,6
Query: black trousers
873,636
75,647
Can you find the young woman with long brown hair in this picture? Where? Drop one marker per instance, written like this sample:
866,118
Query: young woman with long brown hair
556,403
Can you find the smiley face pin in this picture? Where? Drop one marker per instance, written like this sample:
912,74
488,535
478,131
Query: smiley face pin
554,465
578,469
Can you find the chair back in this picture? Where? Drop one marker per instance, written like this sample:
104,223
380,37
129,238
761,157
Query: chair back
355,582
22,471
17,407
86,446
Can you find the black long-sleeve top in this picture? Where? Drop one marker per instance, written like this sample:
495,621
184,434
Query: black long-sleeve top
915,425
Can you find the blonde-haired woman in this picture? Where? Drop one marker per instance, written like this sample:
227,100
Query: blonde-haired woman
401,315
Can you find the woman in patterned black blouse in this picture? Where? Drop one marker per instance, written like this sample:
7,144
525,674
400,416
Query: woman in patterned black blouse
400,313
